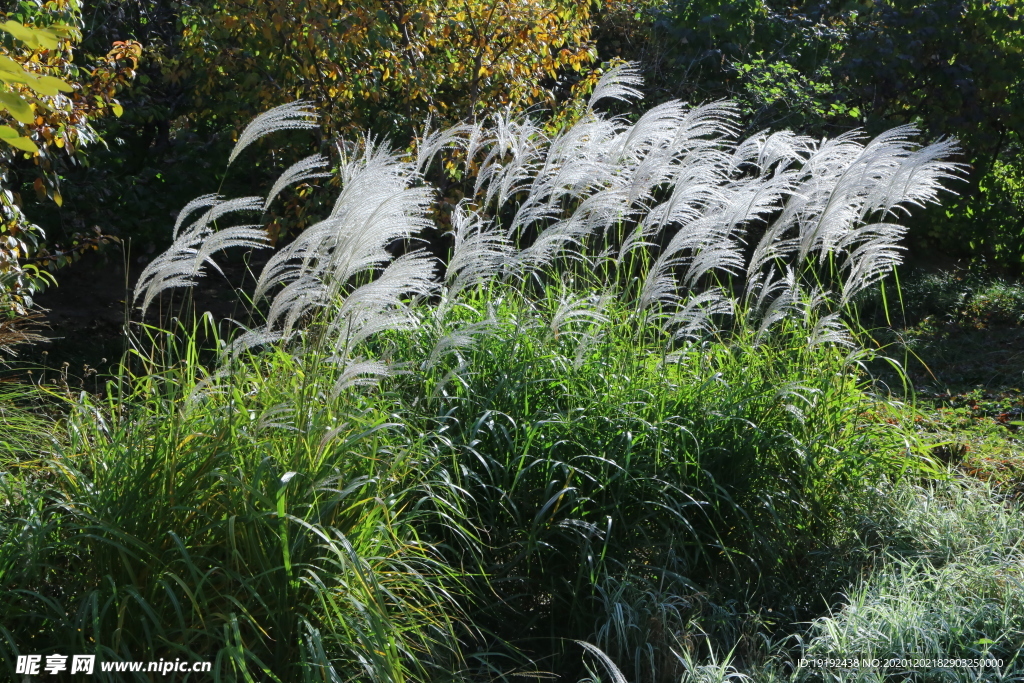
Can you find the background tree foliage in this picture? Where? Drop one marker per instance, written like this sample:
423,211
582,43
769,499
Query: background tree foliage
382,65
49,105
210,65
952,67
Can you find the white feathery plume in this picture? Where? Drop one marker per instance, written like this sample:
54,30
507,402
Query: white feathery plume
254,236
461,338
479,253
181,265
778,151
764,288
359,372
830,329
616,84
432,142
587,341
300,171
375,207
781,306
706,127
696,317
589,338
527,152
222,208
676,183
173,268
477,139
572,308
869,263
187,210
294,115
657,127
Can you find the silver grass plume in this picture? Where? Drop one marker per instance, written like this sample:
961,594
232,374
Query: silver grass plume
300,171
359,372
839,185
479,253
830,330
605,660
462,338
330,267
696,317
573,308
181,265
677,185
190,208
781,306
294,115
430,142
616,84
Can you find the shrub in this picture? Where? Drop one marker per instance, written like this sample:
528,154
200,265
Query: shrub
632,379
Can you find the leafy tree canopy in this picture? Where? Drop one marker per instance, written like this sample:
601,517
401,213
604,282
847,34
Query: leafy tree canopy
47,104
382,64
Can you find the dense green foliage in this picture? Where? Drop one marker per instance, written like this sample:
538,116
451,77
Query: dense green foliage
45,122
623,419
463,525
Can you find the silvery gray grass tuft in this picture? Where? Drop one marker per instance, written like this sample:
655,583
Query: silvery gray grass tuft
673,199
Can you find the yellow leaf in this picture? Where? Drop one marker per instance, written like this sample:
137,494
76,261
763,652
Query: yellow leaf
57,198
118,109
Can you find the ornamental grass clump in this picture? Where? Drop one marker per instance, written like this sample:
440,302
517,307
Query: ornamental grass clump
946,599
155,527
624,407
663,214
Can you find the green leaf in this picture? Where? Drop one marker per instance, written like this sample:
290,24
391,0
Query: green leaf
118,109
19,108
62,30
36,37
50,85
47,38
21,32
8,77
8,65
14,139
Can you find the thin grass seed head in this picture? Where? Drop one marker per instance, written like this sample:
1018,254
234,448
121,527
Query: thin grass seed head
617,84
598,173
300,171
199,202
181,265
292,116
